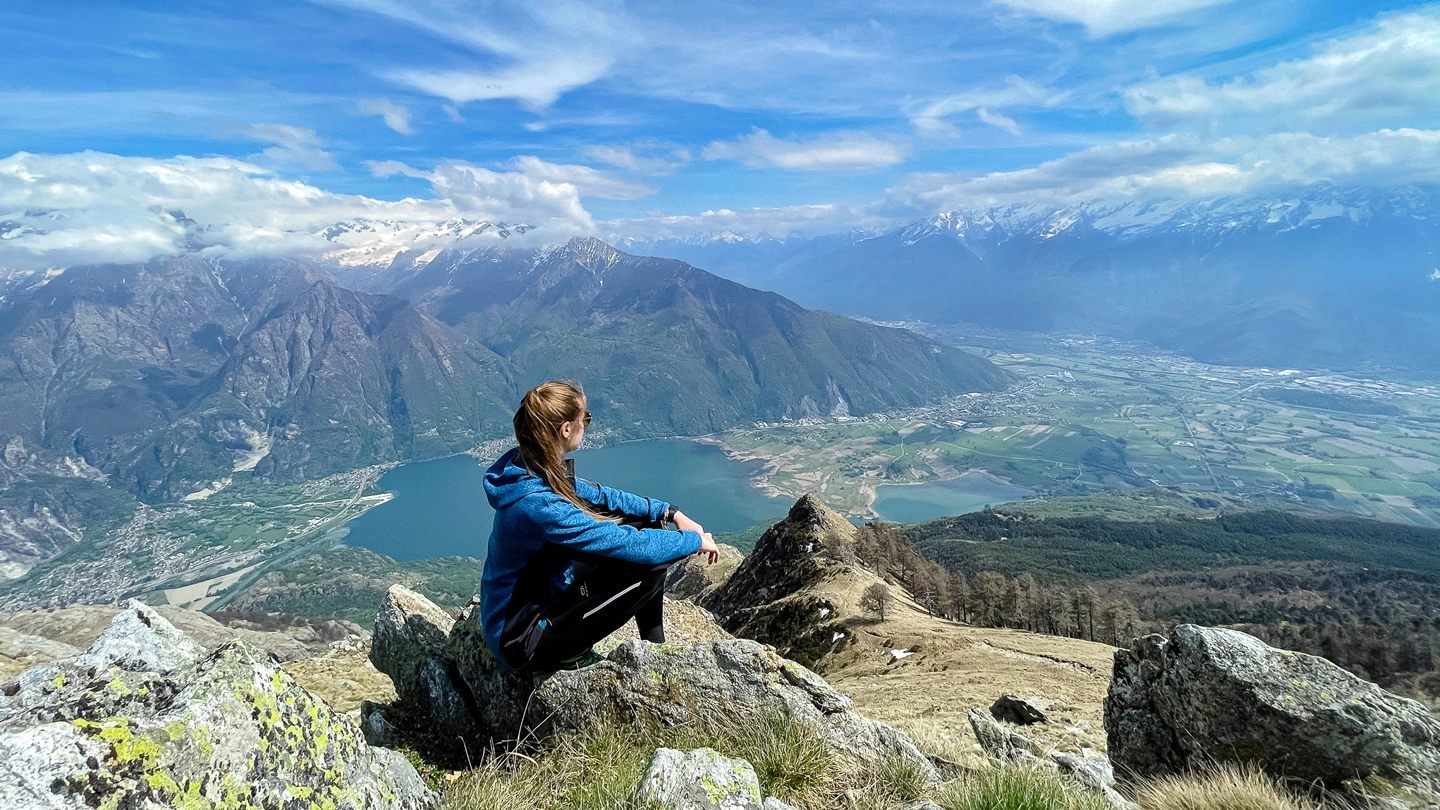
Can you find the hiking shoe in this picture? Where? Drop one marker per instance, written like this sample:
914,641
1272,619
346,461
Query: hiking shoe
581,661
584,659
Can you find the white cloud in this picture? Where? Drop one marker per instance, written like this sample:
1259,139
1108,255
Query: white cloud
453,114
931,120
537,84
1102,18
1389,74
995,119
649,156
539,51
829,152
795,220
397,116
588,182
294,146
93,207
1184,166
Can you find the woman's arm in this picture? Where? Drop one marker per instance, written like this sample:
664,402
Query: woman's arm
562,523
650,509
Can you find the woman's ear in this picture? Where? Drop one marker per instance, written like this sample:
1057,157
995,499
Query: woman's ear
565,430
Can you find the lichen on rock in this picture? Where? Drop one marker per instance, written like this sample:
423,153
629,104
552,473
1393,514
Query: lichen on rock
233,730
1206,696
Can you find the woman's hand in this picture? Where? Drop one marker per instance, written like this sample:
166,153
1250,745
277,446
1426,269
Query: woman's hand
708,548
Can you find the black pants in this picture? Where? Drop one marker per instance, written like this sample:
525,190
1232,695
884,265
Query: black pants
603,595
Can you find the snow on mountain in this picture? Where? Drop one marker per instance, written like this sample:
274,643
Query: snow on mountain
1214,217
378,243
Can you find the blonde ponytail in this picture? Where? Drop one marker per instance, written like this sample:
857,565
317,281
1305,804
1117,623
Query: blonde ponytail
543,410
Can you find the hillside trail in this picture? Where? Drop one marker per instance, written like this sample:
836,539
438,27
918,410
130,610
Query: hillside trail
953,667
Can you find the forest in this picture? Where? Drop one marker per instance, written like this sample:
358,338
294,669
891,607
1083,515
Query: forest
1364,594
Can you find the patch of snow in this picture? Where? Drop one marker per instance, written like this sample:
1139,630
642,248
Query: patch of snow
898,655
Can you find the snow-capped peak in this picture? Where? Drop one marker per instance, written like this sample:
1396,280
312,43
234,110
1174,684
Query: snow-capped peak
377,242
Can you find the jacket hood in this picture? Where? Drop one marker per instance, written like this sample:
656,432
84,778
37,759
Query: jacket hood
507,482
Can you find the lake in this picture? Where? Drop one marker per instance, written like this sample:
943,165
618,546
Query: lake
971,492
440,510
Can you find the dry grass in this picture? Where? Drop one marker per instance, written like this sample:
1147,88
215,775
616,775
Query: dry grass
599,769
1016,789
1221,789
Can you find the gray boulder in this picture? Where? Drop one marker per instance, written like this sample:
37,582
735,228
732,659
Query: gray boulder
453,698
1001,742
139,640
1093,772
1206,695
233,729
710,683
1017,710
697,780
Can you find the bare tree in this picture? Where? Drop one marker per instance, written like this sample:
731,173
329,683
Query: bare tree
876,599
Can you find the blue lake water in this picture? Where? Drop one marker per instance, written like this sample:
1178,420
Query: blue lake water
971,492
439,508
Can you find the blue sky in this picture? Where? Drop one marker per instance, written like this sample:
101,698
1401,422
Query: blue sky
667,119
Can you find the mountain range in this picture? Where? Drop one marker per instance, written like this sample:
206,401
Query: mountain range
154,380
1344,278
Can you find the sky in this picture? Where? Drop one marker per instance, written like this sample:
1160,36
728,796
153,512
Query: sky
130,130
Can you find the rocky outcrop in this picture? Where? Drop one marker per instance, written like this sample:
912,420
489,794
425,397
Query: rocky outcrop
452,690
146,718
1001,742
1017,710
714,683
774,595
1206,695
1089,770
287,638
697,780
694,578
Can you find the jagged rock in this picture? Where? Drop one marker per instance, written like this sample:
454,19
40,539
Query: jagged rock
1092,771
694,577
1017,710
711,683
685,623
411,644
1000,742
697,780
289,638
126,670
772,596
1207,695
409,629
233,729
139,640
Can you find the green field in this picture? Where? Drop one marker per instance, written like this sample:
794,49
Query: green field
1087,416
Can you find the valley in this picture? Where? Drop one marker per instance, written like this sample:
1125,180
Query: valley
1090,414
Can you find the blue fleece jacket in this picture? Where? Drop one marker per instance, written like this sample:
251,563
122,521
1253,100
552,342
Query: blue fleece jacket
528,514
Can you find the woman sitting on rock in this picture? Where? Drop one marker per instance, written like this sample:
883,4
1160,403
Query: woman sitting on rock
568,563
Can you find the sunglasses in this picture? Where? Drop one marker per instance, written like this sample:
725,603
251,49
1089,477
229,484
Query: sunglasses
586,420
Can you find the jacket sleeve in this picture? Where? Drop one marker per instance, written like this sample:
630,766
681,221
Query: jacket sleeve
651,509
562,523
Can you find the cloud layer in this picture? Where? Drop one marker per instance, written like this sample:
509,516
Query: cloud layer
91,207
